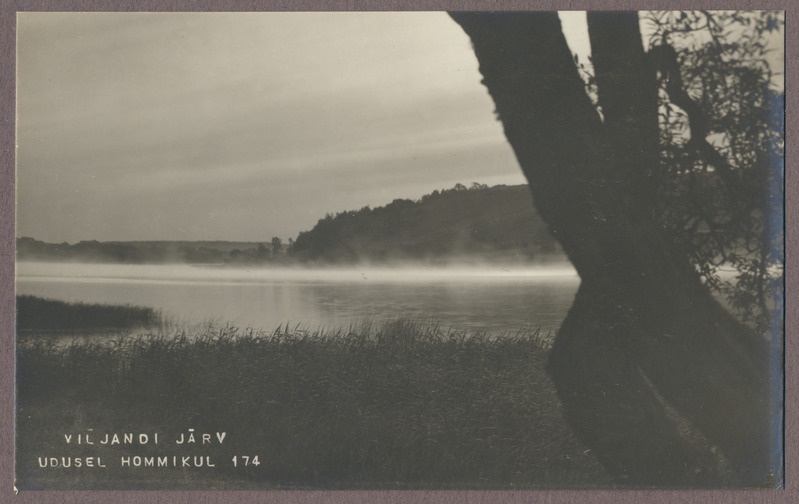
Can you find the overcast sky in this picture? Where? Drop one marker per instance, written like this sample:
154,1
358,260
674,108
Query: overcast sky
244,126
241,126
234,126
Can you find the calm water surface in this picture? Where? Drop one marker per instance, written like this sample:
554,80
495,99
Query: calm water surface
490,298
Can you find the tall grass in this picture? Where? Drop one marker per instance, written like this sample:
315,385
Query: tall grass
394,405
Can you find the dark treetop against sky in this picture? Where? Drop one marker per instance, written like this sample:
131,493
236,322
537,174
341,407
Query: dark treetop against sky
231,126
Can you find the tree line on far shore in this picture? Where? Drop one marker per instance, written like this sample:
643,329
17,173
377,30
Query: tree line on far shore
461,223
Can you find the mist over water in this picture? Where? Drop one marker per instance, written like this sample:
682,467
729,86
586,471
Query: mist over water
485,297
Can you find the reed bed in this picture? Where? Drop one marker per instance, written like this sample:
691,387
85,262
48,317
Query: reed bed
375,405
35,314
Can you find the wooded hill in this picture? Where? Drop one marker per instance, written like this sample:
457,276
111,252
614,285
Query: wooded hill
459,224
476,223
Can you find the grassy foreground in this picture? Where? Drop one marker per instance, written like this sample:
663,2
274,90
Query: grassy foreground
397,405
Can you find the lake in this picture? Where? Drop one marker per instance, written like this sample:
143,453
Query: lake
490,298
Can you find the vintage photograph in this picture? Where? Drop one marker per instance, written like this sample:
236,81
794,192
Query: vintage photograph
399,250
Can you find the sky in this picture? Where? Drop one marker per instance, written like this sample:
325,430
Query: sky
241,126
245,126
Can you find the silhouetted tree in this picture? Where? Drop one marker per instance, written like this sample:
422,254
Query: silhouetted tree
277,246
660,381
262,253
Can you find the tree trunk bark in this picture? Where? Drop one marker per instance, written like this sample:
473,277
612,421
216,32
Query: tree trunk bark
653,374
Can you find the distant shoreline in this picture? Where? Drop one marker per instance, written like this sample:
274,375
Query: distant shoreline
463,224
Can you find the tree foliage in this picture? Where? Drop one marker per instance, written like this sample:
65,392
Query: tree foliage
718,187
719,179
663,174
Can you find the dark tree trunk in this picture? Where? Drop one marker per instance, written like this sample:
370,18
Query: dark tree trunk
653,374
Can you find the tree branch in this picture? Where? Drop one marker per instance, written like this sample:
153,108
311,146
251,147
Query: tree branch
664,60
627,86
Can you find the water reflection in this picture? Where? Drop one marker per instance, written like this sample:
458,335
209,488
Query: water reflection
493,299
